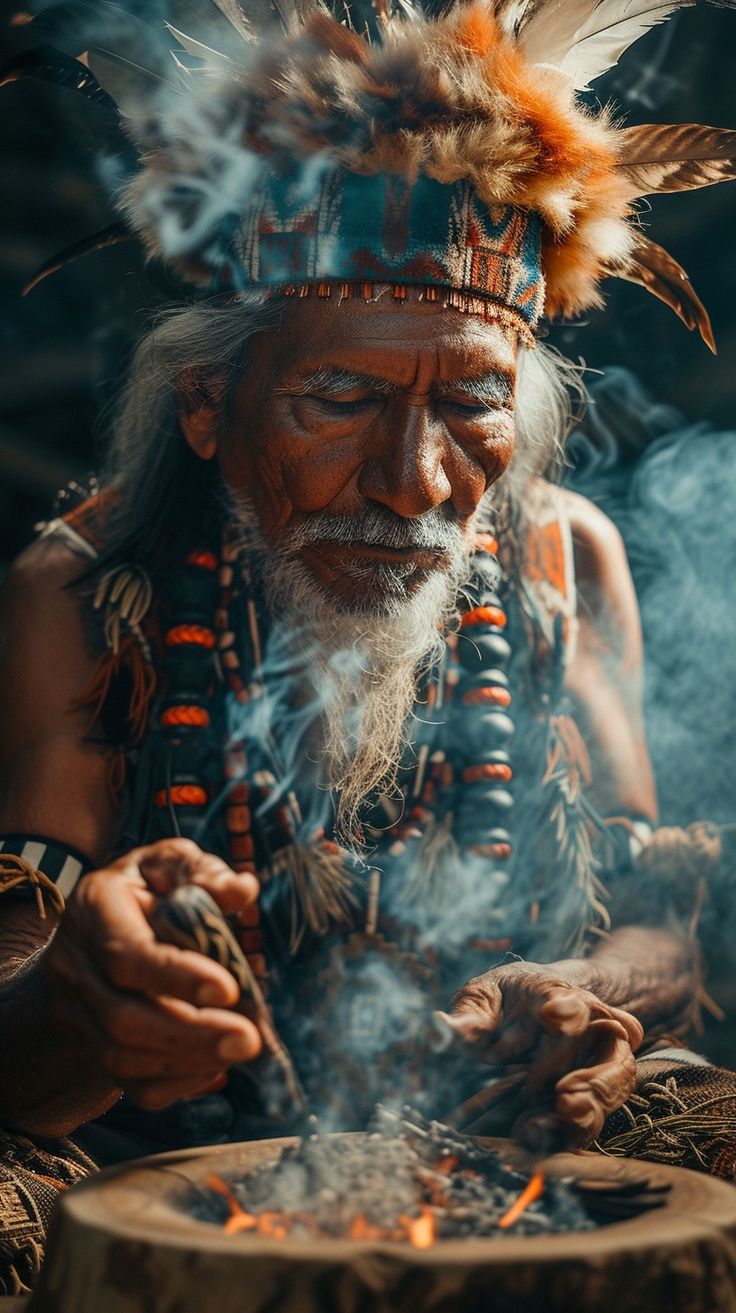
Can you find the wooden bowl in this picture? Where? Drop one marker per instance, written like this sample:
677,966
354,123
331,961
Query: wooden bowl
122,1243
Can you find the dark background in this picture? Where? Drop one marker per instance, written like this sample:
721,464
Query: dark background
670,487
63,348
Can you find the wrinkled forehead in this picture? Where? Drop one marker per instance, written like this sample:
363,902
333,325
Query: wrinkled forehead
395,341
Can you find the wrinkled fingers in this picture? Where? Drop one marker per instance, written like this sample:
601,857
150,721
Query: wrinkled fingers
586,1097
168,1030
107,923
150,967
173,862
570,1111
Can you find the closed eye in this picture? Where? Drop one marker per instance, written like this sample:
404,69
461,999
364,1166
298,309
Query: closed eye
470,409
333,406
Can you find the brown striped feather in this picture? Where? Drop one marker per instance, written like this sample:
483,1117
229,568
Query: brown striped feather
656,270
662,157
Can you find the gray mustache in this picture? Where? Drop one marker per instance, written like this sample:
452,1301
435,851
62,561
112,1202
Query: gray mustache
432,532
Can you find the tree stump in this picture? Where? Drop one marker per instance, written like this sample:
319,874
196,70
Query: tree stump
121,1243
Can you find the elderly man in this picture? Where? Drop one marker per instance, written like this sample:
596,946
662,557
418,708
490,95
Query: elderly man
327,616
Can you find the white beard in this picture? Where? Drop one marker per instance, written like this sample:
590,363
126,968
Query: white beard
361,668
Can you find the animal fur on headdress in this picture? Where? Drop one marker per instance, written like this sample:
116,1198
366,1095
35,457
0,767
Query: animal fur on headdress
450,98
485,92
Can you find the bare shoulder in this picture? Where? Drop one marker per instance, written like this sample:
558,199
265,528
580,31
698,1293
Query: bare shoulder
46,570
45,652
608,608
53,761
604,676
600,554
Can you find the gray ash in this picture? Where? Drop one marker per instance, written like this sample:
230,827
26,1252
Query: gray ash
404,1179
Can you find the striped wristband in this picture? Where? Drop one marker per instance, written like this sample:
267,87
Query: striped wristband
58,862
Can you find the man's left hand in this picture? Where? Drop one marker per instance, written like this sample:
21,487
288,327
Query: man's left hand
578,1051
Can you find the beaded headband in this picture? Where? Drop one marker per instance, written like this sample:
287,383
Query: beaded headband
450,149
359,233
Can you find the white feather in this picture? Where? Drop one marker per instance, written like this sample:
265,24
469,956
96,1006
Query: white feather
612,27
230,9
551,29
212,58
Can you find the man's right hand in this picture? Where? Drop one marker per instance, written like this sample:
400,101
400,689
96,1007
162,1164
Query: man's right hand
158,1019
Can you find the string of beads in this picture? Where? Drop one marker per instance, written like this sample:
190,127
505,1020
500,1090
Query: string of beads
462,782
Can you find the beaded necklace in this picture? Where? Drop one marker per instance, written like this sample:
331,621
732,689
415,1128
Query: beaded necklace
458,793
190,657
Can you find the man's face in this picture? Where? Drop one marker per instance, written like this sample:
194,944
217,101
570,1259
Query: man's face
388,422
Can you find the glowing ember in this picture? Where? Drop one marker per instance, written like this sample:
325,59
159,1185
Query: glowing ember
528,1195
238,1220
410,1181
422,1231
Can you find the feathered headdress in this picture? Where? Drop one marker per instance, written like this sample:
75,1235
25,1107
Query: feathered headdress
280,146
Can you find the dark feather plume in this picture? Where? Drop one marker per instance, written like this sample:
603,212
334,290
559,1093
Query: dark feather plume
49,65
678,157
76,26
124,53
655,269
127,80
99,241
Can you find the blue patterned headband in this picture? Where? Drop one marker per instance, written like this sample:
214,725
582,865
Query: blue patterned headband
355,233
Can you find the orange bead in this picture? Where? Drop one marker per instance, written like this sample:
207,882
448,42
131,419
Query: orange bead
239,792
487,771
182,715
484,615
197,635
181,795
205,560
497,697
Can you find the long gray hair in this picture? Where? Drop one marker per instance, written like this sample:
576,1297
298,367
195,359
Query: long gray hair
163,488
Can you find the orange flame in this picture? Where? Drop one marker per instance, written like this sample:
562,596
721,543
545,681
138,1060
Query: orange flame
241,1221
275,1225
238,1220
361,1229
422,1230
446,1165
530,1192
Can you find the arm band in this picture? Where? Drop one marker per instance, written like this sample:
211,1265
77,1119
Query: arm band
61,864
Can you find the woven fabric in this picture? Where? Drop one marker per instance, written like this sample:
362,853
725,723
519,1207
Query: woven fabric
683,1113
33,1173
382,229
